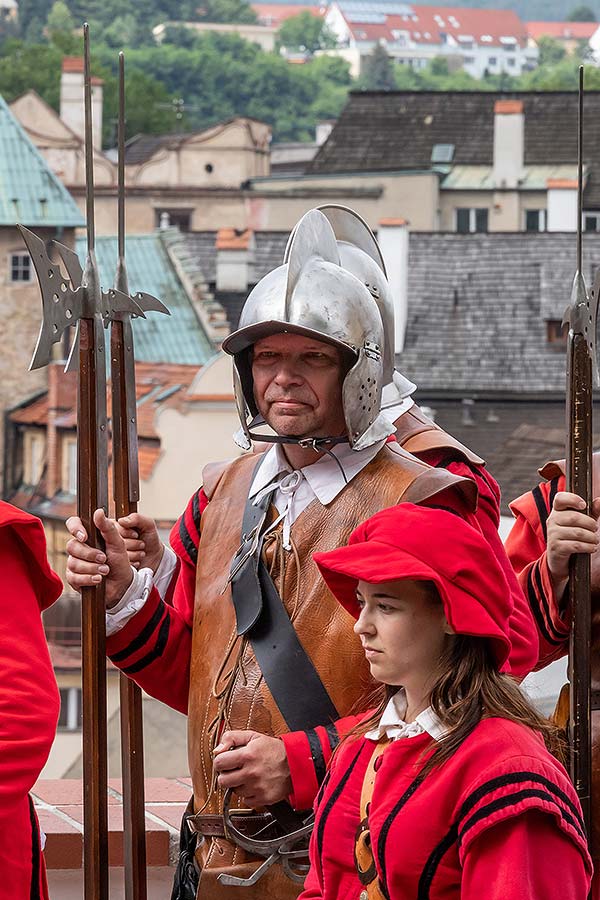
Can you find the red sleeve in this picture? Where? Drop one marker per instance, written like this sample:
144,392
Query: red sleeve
526,549
154,647
308,754
513,861
29,700
523,632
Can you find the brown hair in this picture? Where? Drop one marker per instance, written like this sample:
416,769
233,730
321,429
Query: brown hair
469,689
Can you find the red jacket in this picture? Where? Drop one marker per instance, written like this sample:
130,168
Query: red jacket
483,826
526,549
29,700
154,646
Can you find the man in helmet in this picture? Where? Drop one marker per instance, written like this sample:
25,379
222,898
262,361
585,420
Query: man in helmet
246,637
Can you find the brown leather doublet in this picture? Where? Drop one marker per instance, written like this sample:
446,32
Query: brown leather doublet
226,685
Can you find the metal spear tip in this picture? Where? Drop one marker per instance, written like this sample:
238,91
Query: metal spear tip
150,304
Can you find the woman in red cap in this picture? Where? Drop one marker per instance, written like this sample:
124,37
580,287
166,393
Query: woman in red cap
29,700
446,790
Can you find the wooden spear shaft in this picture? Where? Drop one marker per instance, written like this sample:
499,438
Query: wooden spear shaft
126,492
92,494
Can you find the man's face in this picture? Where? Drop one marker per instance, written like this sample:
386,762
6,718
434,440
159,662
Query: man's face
298,385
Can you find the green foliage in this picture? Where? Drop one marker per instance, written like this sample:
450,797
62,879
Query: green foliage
238,11
551,51
60,28
378,71
581,14
305,32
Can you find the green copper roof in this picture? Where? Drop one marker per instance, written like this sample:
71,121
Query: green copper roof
30,193
178,338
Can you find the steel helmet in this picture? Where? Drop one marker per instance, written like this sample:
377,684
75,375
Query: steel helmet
313,294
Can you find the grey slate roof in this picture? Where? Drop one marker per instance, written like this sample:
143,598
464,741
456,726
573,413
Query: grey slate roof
478,306
30,193
142,147
397,130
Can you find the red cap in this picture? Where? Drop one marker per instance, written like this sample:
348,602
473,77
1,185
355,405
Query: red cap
408,541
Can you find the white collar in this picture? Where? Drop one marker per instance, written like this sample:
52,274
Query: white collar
393,726
324,476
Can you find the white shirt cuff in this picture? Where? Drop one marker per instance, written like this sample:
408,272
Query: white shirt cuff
138,592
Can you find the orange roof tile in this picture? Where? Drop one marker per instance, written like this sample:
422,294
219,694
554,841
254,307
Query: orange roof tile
508,107
230,239
75,64
275,14
561,184
566,31
391,223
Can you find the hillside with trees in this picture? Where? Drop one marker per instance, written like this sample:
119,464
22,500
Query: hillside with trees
192,80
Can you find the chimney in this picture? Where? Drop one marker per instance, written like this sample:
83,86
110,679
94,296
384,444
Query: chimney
235,259
392,237
562,204
71,99
509,143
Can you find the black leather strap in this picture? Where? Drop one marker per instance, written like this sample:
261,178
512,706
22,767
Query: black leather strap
260,614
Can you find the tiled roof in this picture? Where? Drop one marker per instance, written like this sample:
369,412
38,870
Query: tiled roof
142,147
478,307
276,13
178,338
425,25
30,193
397,130
567,31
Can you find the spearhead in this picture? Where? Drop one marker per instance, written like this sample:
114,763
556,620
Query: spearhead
582,316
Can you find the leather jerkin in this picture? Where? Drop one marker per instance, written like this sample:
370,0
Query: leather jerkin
324,628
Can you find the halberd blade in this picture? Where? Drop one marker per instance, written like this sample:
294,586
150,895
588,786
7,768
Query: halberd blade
150,304
71,263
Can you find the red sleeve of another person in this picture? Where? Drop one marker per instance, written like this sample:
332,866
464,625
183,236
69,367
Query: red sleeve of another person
526,549
29,701
154,647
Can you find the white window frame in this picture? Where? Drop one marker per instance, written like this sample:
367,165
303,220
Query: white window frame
70,465
473,210
34,445
74,701
542,219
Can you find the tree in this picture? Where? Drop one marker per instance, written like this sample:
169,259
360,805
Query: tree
60,26
236,11
378,73
306,31
551,51
581,14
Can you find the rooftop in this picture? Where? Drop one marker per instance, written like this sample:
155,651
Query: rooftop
566,31
30,193
397,131
177,339
426,25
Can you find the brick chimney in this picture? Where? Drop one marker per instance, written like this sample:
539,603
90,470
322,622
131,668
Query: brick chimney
71,99
392,236
509,143
235,259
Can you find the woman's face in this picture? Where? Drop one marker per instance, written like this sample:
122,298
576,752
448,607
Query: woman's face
403,631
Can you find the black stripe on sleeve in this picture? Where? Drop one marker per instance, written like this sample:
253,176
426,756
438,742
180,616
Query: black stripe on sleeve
551,793
196,510
544,601
188,544
512,800
542,509
157,651
143,637
385,829
553,492
334,798
332,735
516,778
537,613
34,890
316,752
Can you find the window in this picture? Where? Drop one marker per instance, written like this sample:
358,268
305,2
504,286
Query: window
70,709
35,448
469,221
493,61
556,332
70,466
510,62
20,267
174,218
591,221
535,220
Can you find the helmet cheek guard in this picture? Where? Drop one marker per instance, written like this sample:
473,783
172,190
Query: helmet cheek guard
361,397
